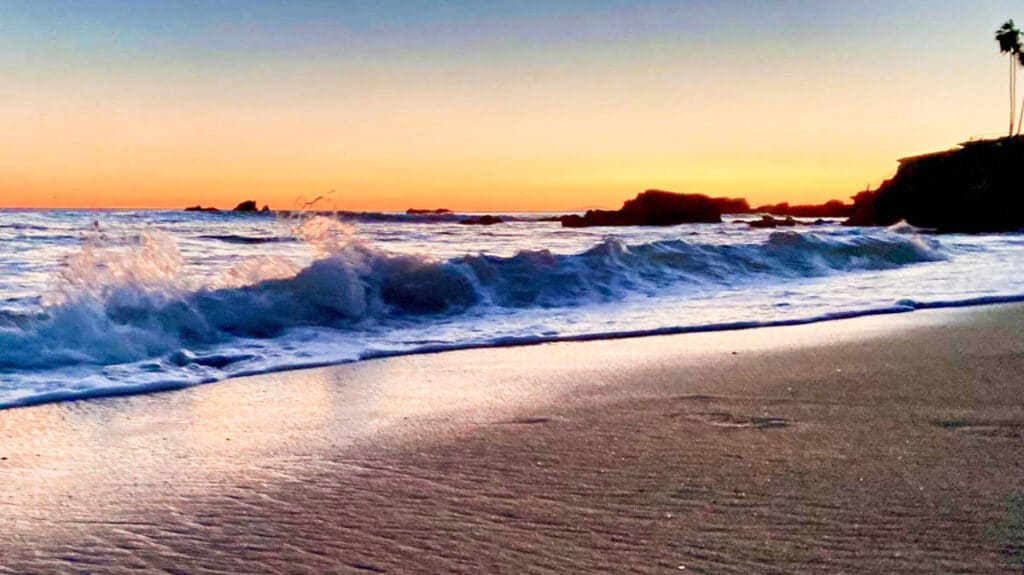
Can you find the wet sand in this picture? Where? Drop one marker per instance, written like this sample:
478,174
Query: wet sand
878,444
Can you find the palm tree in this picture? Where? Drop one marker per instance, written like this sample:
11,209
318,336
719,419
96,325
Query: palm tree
1008,36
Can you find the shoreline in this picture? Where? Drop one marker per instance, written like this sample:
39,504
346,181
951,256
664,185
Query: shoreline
873,444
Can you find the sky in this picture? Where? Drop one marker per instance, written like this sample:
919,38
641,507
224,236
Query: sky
483,106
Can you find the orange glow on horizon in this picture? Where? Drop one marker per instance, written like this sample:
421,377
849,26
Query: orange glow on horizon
383,152
459,196
555,123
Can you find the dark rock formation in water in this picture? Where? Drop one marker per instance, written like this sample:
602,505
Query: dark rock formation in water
419,212
660,208
481,221
771,222
246,206
830,209
978,187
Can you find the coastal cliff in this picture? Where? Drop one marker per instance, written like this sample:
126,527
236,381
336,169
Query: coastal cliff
977,187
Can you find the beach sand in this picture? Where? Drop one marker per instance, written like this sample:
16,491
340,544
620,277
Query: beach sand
871,445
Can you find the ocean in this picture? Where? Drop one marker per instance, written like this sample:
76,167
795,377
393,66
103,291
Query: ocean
96,303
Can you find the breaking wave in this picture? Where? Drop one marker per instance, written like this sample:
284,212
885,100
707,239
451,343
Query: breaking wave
126,304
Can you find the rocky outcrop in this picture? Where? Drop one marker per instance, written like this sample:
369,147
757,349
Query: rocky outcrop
481,221
978,187
863,213
830,209
435,212
660,208
771,222
248,206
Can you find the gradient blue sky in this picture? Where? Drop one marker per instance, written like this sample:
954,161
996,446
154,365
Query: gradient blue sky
473,105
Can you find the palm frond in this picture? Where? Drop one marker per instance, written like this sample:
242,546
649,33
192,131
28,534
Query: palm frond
1008,37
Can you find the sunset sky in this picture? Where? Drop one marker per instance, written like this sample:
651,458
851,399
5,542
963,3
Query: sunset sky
484,106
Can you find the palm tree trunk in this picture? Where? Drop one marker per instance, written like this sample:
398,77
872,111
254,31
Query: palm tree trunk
1013,95
1020,117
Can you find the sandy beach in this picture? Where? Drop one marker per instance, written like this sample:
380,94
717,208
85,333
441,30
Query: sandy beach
877,444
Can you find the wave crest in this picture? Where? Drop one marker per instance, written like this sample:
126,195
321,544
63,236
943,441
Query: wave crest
128,304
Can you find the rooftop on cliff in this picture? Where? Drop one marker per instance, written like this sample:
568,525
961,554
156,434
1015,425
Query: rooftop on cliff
979,144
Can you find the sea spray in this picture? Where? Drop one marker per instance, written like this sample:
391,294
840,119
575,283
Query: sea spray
149,261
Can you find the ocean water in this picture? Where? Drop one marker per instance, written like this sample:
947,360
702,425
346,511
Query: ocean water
111,302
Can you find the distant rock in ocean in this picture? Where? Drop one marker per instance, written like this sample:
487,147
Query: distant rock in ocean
248,206
419,212
771,222
975,188
660,208
482,221
830,209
